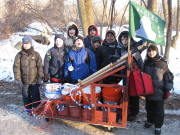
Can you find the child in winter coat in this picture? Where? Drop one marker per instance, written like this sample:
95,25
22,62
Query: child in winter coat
108,53
95,44
28,73
157,68
54,61
123,43
92,31
83,63
72,33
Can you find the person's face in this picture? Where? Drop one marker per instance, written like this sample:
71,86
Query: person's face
96,44
27,46
110,38
79,43
152,53
59,42
92,32
124,41
72,32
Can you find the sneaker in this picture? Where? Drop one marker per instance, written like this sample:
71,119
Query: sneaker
131,118
157,131
148,125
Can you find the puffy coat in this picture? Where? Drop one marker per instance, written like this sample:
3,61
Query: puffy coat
28,67
156,69
54,62
106,52
82,67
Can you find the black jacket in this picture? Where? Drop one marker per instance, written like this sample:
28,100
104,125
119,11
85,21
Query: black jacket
54,62
107,54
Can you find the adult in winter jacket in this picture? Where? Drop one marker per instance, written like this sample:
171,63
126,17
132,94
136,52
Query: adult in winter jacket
108,53
82,60
54,61
157,68
123,44
72,33
92,31
28,73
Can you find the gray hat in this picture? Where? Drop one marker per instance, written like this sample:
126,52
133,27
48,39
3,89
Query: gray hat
27,39
112,32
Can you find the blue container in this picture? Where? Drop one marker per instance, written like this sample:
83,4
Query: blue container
52,94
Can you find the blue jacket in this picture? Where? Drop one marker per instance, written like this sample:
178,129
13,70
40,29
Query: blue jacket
83,65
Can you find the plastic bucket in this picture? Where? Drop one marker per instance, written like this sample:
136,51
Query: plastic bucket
53,94
87,92
67,90
52,90
112,96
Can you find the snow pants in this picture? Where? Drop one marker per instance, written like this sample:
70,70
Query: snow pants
30,93
155,112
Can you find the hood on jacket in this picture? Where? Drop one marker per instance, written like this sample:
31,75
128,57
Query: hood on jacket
94,39
72,25
119,38
93,27
61,36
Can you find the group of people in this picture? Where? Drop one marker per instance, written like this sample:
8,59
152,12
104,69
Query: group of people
74,58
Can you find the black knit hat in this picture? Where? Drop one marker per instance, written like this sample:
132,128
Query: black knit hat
79,37
112,32
27,39
61,36
96,38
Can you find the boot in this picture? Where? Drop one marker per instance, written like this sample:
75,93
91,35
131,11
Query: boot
157,131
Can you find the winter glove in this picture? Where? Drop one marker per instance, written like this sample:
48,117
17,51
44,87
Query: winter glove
167,94
113,58
39,81
19,83
46,77
67,79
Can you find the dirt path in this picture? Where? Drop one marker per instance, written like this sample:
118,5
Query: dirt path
14,121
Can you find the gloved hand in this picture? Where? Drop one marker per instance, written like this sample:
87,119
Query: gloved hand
39,81
19,83
167,94
113,58
46,77
67,79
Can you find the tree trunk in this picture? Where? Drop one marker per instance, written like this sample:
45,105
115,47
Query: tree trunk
169,29
176,37
86,14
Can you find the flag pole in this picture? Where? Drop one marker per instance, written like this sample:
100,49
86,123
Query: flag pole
129,40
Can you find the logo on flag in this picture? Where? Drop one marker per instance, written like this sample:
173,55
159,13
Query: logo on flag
145,24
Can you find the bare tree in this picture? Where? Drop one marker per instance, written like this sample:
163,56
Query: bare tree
175,38
85,14
169,29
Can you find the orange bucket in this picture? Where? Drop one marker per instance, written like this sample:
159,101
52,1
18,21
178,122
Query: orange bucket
87,92
112,96
112,93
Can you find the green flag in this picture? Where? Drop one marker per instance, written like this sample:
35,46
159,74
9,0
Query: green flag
145,24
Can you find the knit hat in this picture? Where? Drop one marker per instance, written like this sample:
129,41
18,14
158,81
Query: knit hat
61,36
112,32
27,39
79,37
96,38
